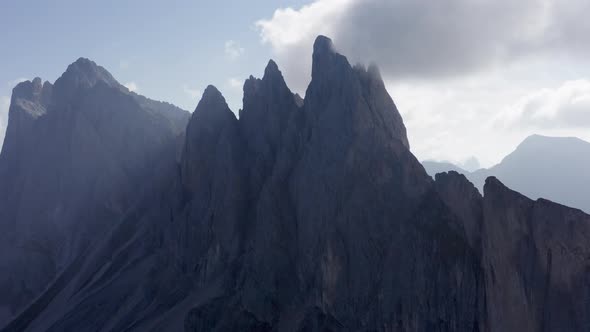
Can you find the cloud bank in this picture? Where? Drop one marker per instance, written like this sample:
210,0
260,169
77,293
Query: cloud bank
565,106
470,77
430,39
132,86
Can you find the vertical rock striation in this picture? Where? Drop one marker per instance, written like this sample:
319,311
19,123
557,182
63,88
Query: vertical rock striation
536,256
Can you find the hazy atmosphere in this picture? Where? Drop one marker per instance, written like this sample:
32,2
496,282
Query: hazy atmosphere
295,166
470,78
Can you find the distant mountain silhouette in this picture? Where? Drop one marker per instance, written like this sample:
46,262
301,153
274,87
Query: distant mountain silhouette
434,167
471,164
300,215
555,168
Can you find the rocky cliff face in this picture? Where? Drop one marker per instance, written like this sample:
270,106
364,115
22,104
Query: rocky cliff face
536,256
313,215
76,156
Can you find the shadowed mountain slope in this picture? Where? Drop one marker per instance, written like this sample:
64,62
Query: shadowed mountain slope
315,216
76,156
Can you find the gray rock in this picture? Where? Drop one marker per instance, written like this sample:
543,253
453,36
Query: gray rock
536,260
554,168
76,157
315,216
465,202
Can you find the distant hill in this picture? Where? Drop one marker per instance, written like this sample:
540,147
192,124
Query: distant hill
434,167
554,168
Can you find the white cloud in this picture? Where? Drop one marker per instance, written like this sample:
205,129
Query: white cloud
235,83
291,34
566,106
425,39
488,116
451,122
191,92
132,86
460,71
233,50
289,27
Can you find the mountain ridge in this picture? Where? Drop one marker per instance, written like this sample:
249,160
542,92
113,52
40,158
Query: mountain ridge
68,144
539,167
316,216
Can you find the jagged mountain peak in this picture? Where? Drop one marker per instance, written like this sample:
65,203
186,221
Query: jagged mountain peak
37,81
323,45
211,93
30,90
268,108
374,71
326,61
292,219
272,85
272,69
211,102
211,116
76,156
355,97
272,76
83,73
30,98
89,69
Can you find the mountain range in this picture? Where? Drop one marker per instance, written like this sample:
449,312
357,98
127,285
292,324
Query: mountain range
554,168
119,213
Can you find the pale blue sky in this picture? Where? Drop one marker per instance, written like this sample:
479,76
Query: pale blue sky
167,48
470,78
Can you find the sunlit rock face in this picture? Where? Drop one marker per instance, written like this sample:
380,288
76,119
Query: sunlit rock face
313,215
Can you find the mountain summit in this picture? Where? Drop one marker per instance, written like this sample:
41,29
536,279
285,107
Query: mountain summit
86,73
305,215
75,158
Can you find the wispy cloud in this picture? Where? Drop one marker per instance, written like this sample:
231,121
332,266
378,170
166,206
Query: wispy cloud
132,86
234,83
566,106
233,50
191,92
